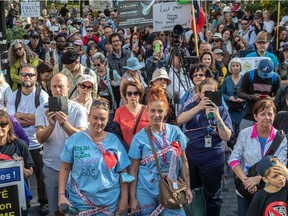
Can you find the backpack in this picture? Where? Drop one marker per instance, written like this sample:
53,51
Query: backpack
88,63
19,94
274,76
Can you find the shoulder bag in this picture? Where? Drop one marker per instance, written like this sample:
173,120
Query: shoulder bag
253,171
172,192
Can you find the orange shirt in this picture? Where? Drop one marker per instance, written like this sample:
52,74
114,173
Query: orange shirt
127,122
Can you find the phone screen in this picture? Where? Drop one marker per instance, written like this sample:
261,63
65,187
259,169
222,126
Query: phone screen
157,48
215,97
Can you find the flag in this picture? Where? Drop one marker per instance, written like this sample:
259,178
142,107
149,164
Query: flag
199,16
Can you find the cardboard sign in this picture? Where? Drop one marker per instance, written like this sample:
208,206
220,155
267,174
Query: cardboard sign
12,193
251,63
167,15
30,9
135,13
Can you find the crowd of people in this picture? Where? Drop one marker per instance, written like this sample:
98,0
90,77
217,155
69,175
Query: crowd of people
118,88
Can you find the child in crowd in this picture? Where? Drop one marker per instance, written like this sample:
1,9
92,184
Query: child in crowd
271,200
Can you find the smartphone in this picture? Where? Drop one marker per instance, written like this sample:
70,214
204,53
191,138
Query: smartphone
157,48
215,97
135,43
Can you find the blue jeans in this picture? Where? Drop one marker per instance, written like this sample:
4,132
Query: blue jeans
243,205
210,178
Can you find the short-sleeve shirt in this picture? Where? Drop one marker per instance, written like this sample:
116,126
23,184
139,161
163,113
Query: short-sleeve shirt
89,170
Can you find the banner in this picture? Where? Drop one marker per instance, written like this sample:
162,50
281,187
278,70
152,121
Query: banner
135,13
12,193
167,15
30,9
251,63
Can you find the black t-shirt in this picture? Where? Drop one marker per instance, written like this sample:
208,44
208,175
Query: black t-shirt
265,203
21,149
257,86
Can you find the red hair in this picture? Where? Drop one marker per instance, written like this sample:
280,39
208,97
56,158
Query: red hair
156,93
139,43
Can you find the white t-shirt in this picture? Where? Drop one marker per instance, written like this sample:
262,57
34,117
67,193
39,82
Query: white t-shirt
27,105
5,92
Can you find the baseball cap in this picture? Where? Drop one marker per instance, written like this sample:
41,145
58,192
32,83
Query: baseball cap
265,68
78,42
86,78
264,164
70,56
218,51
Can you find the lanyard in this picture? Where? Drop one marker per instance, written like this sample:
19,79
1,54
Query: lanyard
164,158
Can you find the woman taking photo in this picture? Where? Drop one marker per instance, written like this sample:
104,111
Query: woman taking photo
207,126
207,60
144,191
19,55
131,117
97,167
252,144
239,44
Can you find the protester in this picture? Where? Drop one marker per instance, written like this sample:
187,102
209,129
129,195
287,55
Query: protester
99,157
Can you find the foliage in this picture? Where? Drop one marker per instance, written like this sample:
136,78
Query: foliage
255,5
15,33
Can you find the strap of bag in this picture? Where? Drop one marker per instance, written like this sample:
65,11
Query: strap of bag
276,142
153,149
74,89
138,119
111,75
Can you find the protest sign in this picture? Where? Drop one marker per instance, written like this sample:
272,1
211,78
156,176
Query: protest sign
251,63
12,193
167,15
135,13
30,9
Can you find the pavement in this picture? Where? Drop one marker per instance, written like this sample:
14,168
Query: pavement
229,206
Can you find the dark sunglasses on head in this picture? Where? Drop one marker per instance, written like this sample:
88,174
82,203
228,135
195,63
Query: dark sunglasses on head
101,104
4,124
45,42
24,74
135,93
85,87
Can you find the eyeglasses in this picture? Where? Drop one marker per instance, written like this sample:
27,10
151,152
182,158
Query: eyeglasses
100,104
244,23
198,75
115,41
82,86
24,74
18,49
4,124
46,42
135,93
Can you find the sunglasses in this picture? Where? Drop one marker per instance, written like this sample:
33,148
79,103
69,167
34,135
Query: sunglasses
24,74
198,75
18,49
89,31
46,42
162,34
216,41
100,104
236,41
82,86
35,37
244,23
136,93
4,124
64,28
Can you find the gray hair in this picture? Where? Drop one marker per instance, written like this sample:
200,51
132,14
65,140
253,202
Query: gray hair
237,60
99,56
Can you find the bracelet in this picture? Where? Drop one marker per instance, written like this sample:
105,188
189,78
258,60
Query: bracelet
61,194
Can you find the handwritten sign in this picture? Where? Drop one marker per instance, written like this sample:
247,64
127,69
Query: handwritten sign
12,193
167,15
134,13
251,63
30,9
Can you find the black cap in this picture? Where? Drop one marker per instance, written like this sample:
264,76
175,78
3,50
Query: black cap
285,47
34,33
70,56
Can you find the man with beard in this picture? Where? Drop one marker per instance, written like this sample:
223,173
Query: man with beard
22,104
54,56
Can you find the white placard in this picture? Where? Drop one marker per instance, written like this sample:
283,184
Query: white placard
167,15
30,9
251,63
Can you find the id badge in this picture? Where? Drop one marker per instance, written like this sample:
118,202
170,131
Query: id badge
208,141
